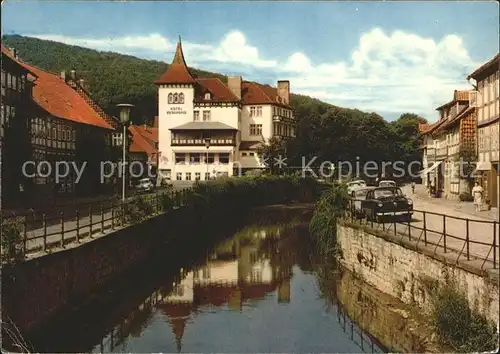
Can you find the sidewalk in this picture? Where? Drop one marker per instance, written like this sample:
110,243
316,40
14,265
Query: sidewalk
453,207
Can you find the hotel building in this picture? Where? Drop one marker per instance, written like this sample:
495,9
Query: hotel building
208,128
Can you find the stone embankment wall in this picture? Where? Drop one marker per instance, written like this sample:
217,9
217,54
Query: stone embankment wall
395,267
35,290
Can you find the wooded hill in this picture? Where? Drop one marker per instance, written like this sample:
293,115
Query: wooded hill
329,132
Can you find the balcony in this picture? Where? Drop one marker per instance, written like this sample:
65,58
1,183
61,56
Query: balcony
201,142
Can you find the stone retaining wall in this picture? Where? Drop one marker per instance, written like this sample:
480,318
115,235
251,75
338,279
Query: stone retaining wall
398,268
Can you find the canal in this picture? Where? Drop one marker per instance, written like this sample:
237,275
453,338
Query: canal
263,289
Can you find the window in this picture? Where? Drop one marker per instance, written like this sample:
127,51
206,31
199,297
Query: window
188,176
243,154
207,95
252,154
180,158
197,176
207,176
181,98
210,158
224,158
179,176
206,116
195,158
256,111
170,98
196,116
255,129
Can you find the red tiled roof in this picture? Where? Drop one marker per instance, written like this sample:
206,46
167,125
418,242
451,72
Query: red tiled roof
177,72
14,60
59,99
461,95
490,63
140,136
255,93
422,127
216,87
458,96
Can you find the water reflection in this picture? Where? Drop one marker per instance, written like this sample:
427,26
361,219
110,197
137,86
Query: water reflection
240,300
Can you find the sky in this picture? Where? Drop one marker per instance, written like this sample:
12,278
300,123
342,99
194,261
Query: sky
378,56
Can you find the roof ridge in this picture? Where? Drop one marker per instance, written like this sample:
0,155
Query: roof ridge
265,94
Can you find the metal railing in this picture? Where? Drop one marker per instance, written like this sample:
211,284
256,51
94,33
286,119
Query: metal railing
471,239
356,334
58,230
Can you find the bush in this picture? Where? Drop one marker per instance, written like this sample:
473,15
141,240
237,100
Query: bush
466,197
457,325
12,240
322,227
137,210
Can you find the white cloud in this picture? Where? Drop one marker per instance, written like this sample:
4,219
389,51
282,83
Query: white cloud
387,73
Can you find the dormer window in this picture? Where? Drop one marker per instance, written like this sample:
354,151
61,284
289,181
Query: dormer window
207,96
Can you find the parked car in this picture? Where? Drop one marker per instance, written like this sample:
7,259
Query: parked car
145,185
357,198
387,183
387,202
353,185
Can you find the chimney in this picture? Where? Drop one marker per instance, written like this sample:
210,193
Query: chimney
234,84
82,83
155,122
73,75
284,91
63,75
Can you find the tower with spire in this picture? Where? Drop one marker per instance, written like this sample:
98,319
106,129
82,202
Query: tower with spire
208,128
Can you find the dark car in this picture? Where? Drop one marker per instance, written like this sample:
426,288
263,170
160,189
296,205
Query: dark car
387,202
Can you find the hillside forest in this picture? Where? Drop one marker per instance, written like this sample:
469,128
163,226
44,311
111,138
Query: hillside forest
325,131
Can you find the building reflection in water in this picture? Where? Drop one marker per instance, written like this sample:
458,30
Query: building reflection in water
238,272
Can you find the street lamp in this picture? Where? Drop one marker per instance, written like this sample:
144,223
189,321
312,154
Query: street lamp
124,119
207,145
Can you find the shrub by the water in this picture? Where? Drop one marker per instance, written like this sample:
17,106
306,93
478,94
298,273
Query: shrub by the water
331,206
459,326
12,239
137,210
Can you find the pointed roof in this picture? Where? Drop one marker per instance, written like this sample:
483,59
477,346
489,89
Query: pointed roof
177,72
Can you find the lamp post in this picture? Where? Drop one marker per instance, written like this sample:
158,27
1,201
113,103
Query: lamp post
207,145
124,119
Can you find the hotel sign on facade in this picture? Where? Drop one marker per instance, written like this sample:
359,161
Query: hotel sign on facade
176,110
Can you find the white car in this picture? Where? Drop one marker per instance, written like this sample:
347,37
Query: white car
387,183
352,186
145,185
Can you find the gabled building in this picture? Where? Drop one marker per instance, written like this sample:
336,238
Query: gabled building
143,150
445,142
209,128
459,134
487,100
15,134
66,125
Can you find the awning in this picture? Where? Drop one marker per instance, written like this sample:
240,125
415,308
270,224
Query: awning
483,166
432,168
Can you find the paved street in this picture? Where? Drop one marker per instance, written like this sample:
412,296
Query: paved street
454,225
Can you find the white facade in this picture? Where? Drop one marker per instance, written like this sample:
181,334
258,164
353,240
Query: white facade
206,128
182,292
